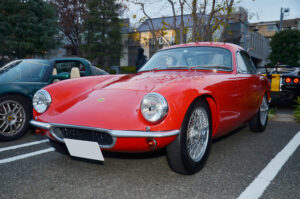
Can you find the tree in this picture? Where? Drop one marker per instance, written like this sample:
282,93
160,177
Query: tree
210,16
102,32
180,32
285,46
207,17
70,14
27,28
160,32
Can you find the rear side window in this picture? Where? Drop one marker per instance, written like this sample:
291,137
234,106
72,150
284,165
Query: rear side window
244,63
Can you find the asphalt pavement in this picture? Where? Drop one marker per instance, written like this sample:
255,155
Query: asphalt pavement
235,162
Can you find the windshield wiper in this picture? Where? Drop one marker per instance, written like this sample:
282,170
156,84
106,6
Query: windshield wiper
178,67
166,68
211,67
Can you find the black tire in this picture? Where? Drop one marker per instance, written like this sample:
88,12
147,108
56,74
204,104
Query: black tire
15,120
178,154
257,124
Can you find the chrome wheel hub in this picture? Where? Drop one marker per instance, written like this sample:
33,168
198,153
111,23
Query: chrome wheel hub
12,117
197,134
264,111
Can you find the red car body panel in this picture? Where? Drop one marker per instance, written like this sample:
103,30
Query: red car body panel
113,102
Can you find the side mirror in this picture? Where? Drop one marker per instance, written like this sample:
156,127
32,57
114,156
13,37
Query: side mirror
60,76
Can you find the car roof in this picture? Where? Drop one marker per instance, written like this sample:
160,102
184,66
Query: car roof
229,46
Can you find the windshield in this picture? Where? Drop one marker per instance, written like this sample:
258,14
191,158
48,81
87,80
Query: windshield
24,71
191,58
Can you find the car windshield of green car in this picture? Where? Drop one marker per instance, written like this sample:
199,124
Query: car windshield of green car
202,57
24,71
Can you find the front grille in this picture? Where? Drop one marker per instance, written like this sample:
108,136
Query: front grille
102,138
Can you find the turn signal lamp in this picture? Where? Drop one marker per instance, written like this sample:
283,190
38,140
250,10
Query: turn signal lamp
288,80
296,80
151,143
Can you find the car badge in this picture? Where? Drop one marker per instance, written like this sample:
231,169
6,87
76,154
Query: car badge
100,99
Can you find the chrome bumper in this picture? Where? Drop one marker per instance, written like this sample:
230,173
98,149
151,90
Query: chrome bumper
114,133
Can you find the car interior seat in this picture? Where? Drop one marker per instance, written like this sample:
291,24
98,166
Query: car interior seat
75,73
54,72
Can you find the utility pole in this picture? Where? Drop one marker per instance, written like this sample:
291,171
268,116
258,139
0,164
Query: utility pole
282,11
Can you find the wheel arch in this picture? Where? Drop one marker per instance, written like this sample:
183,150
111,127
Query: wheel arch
17,94
24,96
213,108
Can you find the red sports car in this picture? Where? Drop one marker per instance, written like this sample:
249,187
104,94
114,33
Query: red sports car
181,99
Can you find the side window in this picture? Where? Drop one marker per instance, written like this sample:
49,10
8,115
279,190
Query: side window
250,66
241,65
66,66
244,63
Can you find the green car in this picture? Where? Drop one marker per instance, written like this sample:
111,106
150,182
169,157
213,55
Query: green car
20,79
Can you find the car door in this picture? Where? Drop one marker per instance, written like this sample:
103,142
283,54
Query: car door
249,86
33,76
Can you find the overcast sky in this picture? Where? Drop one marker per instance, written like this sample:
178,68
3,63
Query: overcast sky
269,10
259,10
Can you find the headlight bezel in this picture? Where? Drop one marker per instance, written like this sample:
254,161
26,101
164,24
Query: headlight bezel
163,107
41,105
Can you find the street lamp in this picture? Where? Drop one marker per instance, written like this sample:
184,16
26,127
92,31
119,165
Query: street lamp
282,12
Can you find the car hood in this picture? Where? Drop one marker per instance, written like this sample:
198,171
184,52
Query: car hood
146,81
110,102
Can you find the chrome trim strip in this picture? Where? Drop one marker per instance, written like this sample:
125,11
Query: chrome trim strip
40,124
114,133
156,134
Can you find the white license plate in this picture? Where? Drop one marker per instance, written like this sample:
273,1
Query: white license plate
84,149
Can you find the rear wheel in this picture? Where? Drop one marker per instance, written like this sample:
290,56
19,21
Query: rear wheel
260,120
14,117
188,153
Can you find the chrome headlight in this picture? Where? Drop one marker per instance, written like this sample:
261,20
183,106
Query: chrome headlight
154,107
41,100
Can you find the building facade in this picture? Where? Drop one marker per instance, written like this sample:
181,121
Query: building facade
238,32
269,28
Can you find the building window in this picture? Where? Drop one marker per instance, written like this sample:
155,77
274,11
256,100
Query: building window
271,27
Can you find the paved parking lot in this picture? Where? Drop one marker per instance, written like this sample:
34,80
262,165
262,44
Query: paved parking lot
236,162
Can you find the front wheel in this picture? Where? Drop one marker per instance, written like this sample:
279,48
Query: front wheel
188,153
14,117
260,120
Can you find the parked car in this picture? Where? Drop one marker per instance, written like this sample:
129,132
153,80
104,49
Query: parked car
181,99
285,85
20,79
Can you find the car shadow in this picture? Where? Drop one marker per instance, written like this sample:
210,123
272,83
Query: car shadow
218,139
143,155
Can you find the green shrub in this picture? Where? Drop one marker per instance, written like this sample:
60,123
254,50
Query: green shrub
127,69
271,113
111,71
297,110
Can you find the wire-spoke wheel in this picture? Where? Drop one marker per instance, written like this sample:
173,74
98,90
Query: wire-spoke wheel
188,153
14,117
197,134
260,120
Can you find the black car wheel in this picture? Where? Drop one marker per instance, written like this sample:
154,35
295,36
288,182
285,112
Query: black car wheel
14,117
260,120
188,153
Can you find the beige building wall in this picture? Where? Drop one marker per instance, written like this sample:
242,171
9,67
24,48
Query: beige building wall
166,40
265,31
